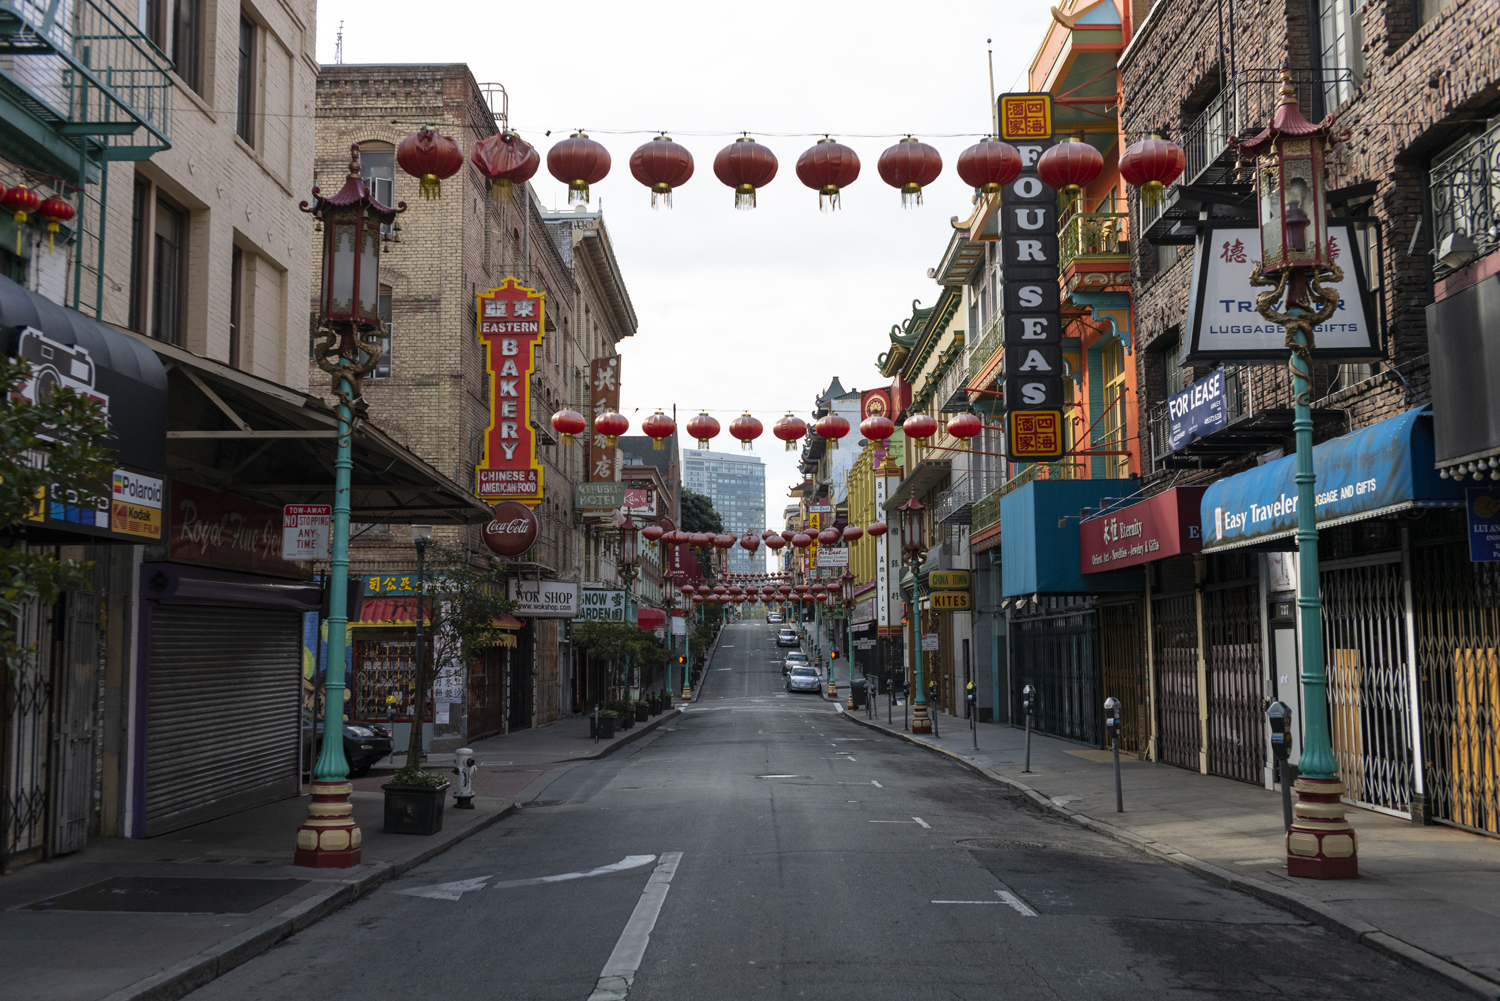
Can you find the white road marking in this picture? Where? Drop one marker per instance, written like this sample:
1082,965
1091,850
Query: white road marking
457,888
877,785
890,821
778,776
968,901
619,970
1014,901
925,825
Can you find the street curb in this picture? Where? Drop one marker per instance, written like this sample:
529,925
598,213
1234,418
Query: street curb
218,959
635,733
1344,925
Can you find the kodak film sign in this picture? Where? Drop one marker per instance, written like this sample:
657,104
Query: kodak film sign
510,326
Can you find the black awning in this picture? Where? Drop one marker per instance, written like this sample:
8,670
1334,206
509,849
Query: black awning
68,348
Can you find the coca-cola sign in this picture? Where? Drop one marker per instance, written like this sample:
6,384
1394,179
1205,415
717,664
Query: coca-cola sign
512,528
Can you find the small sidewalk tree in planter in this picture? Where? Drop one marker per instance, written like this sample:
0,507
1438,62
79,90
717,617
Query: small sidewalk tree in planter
462,605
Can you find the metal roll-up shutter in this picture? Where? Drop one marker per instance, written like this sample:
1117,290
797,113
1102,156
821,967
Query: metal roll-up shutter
225,687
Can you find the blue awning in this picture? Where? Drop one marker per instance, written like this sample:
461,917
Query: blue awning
1381,469
1038,555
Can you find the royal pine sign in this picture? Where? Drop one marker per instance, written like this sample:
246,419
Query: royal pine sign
510,326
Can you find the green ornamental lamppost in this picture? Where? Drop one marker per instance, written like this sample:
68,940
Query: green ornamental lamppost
1297,266
846,593
348,349
629,567
914,546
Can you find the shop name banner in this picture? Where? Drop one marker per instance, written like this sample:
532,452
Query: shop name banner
640,499
1225,324
1032,326
1483,506
1196,411
604,398
132,512
606,496
831,557
882,570
221,530
1160,526
510,326
304,531
600,605
950,601
545,599
952,580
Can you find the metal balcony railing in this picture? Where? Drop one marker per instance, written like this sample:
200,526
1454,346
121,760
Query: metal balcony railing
983,349
83,68
955,504
1092,226
1465,186
1239,400
986,513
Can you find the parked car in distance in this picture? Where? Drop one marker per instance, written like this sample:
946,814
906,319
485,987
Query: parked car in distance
364,744
794,660
786,637
803,679
773,617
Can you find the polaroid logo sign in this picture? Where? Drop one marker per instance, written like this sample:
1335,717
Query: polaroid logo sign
132,488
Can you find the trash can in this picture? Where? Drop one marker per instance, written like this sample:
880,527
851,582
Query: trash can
859,693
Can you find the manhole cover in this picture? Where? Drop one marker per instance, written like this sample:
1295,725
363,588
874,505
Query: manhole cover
175,894
997,846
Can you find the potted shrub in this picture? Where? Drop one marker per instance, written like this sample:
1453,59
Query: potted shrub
414,801
642,711
626,712
655,703
607,719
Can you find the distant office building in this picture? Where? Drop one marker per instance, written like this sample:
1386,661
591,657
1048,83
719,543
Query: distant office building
736,483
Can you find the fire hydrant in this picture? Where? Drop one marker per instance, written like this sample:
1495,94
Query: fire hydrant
464,766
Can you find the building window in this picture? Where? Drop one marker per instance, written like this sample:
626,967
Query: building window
187,42
236,304
169,259
245,103
140,254
1174,376
377,166
1341,39
154,23
383,367
1429,9
1112,359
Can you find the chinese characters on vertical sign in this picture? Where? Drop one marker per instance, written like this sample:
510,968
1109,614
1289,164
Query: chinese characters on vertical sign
1032,324
604,398
510,326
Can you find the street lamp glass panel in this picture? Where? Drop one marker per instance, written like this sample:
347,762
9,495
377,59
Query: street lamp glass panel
421,533
341,257
369,271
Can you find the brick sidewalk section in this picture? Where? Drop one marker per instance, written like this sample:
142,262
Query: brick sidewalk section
1426,896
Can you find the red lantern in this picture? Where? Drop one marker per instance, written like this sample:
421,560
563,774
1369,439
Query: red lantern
789,429
700,540
1070,166
1151,165
831,428
875,529
578,161
704,589
653,533
724,541
919,426
787,535
661,165
749,543
853,533
660,427
745,165
877,427
910,165
19,201
703,427
432,157
568,423
801,540
507,160
56,211
827,168
989,165
611,426
687,589
774,542
828,537
746,429
820,597
965,426
736,589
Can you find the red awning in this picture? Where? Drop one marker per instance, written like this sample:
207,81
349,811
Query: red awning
389,611
651,618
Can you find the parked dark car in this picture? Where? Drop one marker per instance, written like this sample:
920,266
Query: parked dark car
364,744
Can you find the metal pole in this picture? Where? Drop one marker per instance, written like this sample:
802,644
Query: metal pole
849,652
419,700
1027,768
1316,761
920,721
1119,793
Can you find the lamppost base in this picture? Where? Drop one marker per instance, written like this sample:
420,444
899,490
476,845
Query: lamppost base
329,838
687,693
1320,844
849,702
833,690
669,700
920,721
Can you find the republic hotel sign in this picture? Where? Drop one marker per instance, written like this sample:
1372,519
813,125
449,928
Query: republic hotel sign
1032,323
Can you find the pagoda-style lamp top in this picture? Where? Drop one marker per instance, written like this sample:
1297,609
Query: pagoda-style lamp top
1290,155
351,248
913,525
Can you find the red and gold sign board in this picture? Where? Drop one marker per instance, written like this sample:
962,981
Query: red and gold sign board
1025,116
1035,435
875,403
510,326
604,398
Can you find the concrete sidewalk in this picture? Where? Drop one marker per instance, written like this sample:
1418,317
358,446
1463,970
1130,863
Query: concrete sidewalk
1428,896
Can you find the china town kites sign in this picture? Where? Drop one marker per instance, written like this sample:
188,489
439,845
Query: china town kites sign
510,325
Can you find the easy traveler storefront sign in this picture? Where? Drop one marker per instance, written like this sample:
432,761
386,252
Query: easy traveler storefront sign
1196,411
1383,468
1153,529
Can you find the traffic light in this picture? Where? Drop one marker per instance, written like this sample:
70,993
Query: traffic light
834,654
681,659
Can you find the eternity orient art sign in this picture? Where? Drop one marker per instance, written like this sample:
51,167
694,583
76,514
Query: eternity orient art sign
1153,529
510,326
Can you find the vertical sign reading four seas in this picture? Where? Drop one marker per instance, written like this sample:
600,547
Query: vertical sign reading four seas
510,325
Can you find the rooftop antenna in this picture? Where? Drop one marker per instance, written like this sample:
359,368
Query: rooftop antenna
338,47
994,108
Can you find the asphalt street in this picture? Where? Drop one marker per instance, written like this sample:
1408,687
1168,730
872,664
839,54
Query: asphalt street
761,847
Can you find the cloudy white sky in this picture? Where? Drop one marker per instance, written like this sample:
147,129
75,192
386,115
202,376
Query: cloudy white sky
738,310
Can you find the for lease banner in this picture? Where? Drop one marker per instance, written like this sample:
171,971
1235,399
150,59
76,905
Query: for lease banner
510,326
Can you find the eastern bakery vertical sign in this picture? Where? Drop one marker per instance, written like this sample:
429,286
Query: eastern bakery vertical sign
510,325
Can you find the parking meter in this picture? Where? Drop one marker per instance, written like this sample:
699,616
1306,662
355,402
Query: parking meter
1112,723
969,700
464,766
1028,703
1279,714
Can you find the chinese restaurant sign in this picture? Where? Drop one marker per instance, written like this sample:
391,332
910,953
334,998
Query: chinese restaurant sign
1225,324
604,398
510,326
1153,529
1032,331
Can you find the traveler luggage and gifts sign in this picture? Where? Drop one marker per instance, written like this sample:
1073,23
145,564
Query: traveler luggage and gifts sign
510,325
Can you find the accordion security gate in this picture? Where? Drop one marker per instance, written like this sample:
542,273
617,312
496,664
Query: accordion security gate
1123,672
1174,621
1236,725
1060,656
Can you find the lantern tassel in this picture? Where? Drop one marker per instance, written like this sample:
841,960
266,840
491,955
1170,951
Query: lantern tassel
660,198
502,189
744,198
657,444
578,193
51,235
567,439
1152,192
828,199
432,186
911,195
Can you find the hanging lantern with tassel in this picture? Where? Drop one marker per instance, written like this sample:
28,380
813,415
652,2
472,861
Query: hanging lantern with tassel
661,165
578,162
989,165
790,430
1069,167
910,165
56,211
1151,165
659,427
20,201
432,157
828,167
507,160
746,166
